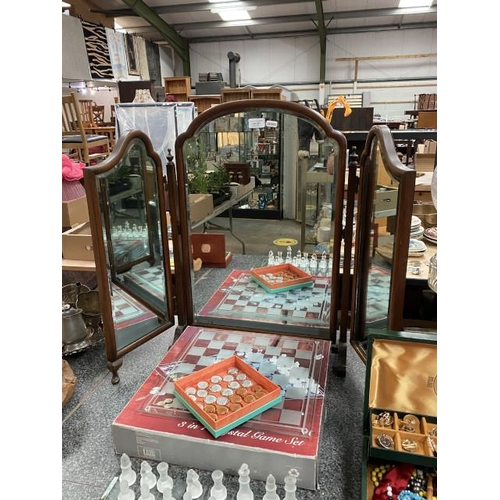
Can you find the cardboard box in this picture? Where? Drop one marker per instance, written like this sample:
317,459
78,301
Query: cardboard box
424,162
239,190
402,390
200,206
386,199
154,425
77,243
430,146
75,212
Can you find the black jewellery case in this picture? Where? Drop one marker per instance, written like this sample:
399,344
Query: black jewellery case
400,404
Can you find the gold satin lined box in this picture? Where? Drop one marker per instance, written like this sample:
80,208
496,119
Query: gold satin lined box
400,408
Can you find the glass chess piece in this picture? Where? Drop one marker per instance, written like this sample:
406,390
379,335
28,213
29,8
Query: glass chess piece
244,491
313,264
270,258
280,257
164,479
126,493
323,266
145,491
271,489
193,484
288,259
187,494
291,484
167,493
127,472
147,474
218,490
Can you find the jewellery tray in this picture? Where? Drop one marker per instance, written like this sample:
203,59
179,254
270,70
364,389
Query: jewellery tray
299,280
230,419
401,378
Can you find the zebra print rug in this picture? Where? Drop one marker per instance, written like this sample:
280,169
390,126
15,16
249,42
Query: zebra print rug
96,43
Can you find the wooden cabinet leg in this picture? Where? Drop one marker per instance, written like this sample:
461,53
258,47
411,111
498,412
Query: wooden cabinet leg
113,367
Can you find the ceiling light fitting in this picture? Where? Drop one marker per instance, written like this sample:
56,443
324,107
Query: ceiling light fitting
414,3
232,14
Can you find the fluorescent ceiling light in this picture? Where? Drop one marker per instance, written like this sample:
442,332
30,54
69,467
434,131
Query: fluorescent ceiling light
232,14
66,5
414,3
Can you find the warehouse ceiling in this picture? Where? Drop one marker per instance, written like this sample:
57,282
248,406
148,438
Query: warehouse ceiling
184,22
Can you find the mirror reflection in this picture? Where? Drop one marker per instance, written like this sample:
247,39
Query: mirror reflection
384,210
264,188
132,237
383,227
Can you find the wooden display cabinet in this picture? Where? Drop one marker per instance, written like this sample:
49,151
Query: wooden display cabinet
268,94
178,86
204,102
230,94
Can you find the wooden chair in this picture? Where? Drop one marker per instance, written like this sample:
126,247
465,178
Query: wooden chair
76,141
87,114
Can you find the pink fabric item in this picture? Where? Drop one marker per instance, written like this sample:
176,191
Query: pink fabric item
71,190
71,170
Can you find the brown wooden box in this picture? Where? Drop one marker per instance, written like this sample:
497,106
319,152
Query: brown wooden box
427,119
211,249
239,172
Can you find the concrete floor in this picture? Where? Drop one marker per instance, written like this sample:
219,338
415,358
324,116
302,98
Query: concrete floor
259,234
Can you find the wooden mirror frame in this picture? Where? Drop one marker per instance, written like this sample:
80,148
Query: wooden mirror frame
100,226
380,145
187,315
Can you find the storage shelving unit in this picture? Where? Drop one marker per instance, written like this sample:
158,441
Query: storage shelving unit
230,94
178,86
204,102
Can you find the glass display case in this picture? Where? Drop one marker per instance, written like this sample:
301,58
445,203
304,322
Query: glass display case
248,145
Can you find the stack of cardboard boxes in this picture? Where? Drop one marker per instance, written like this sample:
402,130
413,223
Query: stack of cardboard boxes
76,236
